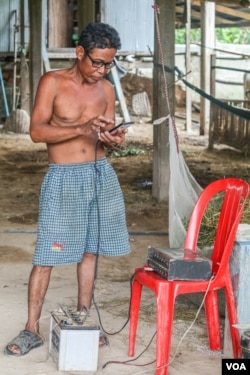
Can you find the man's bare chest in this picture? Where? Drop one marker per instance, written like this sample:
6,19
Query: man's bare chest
75,106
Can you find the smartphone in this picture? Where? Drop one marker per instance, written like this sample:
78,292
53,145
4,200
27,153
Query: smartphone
122,125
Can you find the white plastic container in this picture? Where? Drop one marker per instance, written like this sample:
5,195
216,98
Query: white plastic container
240,273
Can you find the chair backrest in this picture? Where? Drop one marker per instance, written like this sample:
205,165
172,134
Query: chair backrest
234,195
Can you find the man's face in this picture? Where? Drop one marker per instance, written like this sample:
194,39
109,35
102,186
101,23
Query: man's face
95,64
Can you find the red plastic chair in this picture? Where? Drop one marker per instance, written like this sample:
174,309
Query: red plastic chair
235,195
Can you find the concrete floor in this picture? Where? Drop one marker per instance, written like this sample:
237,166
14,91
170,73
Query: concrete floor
112,296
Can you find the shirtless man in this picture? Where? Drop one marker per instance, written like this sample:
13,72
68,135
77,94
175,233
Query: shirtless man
80,196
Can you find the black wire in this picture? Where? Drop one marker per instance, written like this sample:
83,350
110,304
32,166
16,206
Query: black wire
134,359
126,322
97,256
128,362
98,216
98,220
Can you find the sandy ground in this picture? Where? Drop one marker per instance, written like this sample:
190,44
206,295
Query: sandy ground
112,295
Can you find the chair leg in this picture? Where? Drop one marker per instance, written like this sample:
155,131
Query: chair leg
134,313
213,320
232,317
164,324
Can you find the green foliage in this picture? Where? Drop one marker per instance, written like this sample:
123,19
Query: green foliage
209,222
180,36
232,35
127,151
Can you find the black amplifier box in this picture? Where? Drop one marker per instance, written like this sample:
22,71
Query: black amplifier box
179,264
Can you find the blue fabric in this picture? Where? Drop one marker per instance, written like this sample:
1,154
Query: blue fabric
81,210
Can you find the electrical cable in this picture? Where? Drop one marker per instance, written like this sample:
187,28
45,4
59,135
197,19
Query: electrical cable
98,216
164,69
128,362
134,359
191,325
126,322
97,255
95,278
184,335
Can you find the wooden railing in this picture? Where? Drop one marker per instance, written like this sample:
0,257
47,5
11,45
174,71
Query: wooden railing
228,128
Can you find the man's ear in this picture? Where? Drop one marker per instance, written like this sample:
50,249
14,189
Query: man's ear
80,52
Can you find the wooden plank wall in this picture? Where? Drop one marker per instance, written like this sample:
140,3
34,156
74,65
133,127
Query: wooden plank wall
228,128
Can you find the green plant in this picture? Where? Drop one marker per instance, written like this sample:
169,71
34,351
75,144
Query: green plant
127,151
230,35
209,222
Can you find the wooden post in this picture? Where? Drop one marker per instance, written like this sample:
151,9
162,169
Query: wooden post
85,13
35,51
212,106
24,67
25,94
119,94
161,169
60,21
208,42
22,23
188,67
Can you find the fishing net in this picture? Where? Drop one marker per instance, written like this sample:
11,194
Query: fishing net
183,188
183,192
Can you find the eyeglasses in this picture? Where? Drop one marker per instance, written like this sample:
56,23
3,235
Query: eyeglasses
100,64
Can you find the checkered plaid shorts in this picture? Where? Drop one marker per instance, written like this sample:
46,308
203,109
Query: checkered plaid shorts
81,210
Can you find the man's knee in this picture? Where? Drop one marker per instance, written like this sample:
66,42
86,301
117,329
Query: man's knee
41,270
89,257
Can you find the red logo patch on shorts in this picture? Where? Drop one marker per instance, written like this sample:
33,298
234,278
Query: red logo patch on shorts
57,246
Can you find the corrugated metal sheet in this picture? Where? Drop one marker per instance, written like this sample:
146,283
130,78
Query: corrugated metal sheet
134,20
7,24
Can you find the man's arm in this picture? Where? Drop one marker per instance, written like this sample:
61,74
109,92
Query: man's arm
105,137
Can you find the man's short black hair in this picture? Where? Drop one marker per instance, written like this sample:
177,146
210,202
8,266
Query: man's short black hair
99,35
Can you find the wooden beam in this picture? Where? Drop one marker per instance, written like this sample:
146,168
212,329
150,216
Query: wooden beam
229,2
85,13
188,67
25,88
208,38
222,21
60,23
232,12
35,52
161,169
196,14
119,94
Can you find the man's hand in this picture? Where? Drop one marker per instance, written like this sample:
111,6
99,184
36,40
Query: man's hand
96,124
101,123
114,138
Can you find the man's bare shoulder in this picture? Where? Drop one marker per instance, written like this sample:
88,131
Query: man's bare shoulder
52,79
107,85
55,74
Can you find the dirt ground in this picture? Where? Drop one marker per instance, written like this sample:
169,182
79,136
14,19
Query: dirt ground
22,167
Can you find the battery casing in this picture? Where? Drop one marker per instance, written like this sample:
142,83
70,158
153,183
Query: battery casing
74,346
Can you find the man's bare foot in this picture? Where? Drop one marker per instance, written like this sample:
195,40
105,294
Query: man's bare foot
103,340
23,343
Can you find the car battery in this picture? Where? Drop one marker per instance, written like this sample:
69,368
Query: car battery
74,340
179,264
